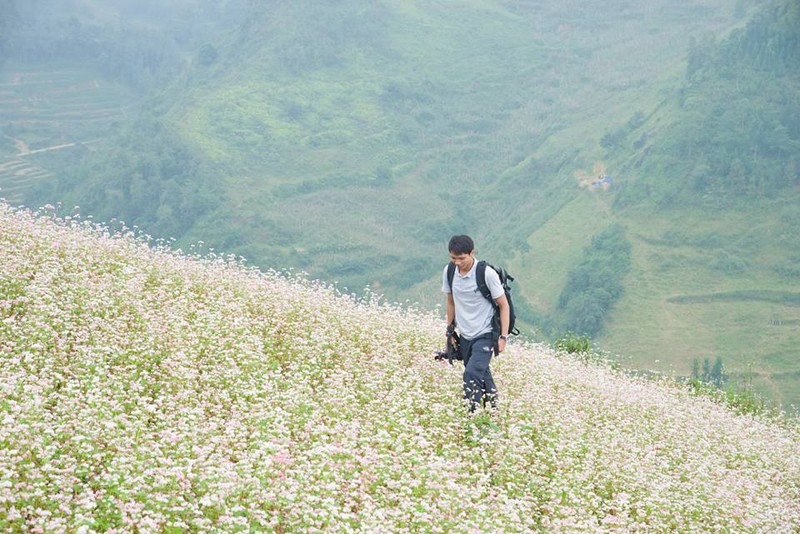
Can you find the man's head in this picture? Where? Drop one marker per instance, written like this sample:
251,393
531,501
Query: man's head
461,248
461,244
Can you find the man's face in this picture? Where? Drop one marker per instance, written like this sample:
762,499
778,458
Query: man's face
462,261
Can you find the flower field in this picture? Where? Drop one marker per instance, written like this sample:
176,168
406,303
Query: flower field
143,390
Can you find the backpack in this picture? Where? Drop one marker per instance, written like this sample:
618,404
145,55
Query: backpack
505,278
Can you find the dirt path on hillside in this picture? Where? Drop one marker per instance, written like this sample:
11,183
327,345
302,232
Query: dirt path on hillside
47,149
24,150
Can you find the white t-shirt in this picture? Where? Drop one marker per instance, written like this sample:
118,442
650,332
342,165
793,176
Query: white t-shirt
473,311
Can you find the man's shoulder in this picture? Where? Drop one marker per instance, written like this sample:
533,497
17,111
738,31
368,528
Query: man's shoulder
489,272
491,279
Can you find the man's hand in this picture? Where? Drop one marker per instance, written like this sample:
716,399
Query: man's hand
501,345
451,339
452,336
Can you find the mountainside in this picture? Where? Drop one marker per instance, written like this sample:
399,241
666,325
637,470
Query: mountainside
633,164
143,390
356,139
711,199
734,135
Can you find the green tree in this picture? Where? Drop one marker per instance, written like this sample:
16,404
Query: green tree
717,372
596,283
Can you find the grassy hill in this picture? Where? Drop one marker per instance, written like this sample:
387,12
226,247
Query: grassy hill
147,390
711,201
355,154
724,286
351,140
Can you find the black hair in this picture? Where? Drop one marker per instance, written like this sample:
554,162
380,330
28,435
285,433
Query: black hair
461,244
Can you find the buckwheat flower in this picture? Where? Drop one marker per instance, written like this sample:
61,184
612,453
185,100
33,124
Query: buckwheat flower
183,398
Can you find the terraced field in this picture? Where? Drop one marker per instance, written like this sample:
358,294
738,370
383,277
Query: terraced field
47,112
17,175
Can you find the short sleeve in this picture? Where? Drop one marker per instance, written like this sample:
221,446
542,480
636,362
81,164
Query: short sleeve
445,284
493,283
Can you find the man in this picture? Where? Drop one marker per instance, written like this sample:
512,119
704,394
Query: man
472,314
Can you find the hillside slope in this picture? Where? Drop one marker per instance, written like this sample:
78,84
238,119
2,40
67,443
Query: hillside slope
704,180
143,390
354,155
351,140
730,136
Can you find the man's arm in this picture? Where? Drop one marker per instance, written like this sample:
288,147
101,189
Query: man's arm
451,310
505,318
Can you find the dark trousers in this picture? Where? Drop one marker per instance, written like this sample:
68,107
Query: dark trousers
478,382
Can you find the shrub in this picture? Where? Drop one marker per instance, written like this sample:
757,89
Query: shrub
572,343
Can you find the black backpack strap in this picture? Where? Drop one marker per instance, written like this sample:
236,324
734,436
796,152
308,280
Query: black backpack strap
480,277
